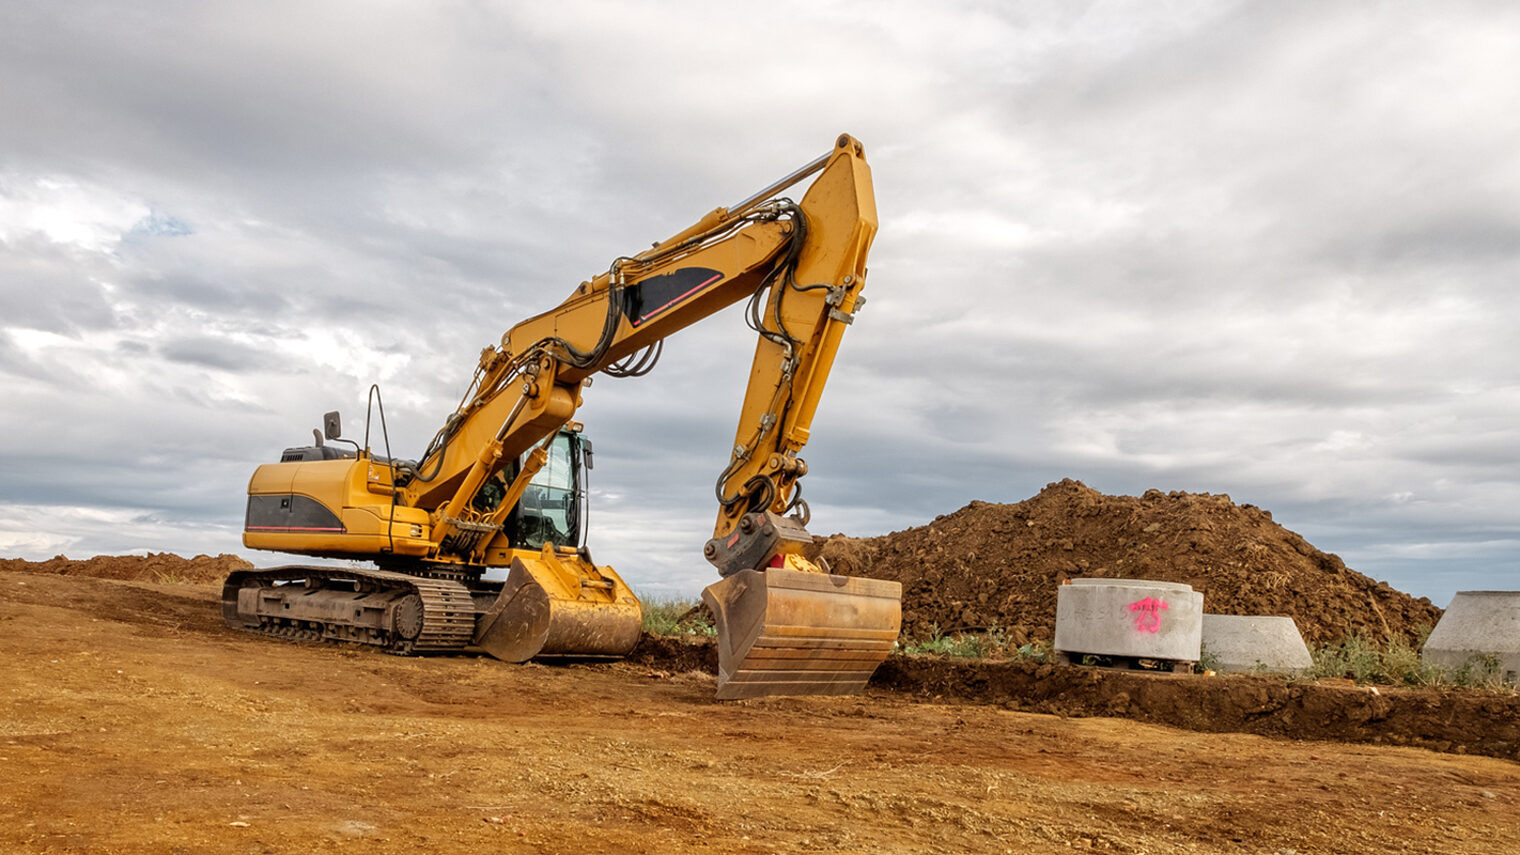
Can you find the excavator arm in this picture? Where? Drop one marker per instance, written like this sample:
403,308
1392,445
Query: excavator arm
801,266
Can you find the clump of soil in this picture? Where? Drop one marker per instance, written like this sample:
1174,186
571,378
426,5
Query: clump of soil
991,564
153,567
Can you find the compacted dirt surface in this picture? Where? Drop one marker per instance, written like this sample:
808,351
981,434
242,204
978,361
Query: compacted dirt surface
132,721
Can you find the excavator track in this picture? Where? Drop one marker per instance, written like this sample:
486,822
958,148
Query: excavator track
396,612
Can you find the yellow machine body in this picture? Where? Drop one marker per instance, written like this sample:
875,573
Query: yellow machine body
334,507
501,484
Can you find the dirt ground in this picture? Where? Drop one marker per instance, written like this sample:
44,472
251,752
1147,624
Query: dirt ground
134,722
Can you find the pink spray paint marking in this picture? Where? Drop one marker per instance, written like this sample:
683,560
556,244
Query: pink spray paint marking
1148,614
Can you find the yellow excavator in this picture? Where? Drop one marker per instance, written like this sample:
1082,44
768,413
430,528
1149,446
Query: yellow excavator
500,490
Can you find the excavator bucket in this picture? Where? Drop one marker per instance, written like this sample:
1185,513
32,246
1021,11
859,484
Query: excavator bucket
558,604
788,632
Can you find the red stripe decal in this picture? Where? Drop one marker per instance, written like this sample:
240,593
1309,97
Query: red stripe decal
647,315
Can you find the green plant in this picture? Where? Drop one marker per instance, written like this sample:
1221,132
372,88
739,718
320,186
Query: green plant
996,638
960,645
1399,664
1039,651
1207,661
1403,666
1356,657
674,616
1482,671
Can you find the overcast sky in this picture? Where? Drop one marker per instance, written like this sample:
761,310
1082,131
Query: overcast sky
1262,249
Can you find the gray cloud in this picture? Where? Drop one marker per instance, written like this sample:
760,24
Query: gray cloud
209,352
185,289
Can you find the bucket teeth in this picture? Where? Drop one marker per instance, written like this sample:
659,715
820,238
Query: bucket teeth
786,632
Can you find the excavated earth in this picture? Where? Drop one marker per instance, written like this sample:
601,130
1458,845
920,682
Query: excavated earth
999,565
133,721
153,567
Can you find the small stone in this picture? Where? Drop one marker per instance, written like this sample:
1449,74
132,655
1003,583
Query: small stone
1488,794
238,824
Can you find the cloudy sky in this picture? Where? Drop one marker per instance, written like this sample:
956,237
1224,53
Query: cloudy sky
1261,249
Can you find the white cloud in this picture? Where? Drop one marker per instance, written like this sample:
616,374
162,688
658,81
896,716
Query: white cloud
84,531
66,211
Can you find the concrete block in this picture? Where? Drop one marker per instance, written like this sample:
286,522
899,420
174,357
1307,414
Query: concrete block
1255,643
1477,623
1129,617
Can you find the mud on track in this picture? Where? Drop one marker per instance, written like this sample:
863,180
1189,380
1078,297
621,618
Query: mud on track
133,722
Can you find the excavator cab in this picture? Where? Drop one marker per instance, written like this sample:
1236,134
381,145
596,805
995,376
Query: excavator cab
553,506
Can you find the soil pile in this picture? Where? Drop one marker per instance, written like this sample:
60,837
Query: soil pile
153,567
999,565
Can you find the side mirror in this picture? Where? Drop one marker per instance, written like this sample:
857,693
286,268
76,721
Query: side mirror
332,426
586,452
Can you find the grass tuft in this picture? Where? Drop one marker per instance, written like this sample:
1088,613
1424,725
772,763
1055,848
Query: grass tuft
1398,663
992,643
675,616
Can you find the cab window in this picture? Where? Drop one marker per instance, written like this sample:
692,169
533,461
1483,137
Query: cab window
549,509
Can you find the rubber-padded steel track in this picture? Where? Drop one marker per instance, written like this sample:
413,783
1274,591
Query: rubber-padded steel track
448,611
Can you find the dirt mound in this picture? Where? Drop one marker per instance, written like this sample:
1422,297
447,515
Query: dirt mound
1000,564
153,567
